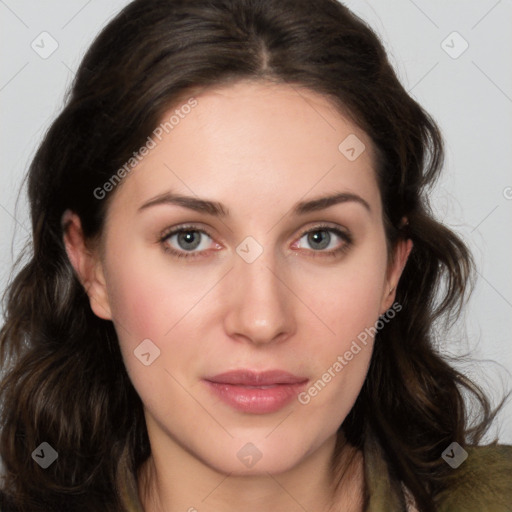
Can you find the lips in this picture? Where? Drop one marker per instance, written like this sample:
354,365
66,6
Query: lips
256,392
252,378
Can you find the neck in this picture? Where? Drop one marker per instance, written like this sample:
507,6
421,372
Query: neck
190,485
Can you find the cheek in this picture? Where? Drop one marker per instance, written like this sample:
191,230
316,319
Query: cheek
348,298
149,302
141,310
348,301
145,296
134,300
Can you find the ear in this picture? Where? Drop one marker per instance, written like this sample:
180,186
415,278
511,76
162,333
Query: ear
396,266
87,265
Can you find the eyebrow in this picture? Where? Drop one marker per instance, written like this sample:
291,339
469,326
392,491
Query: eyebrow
217,209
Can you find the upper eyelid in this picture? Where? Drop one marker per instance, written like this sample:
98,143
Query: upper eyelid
185,227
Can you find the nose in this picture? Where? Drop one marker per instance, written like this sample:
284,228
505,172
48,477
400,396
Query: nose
260,305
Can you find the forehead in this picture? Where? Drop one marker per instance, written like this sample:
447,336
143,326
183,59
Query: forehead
243,142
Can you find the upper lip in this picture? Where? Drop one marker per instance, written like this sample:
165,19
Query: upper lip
247,377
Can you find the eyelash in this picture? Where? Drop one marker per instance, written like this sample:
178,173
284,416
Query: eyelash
346,237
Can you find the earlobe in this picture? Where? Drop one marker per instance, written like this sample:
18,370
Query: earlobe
87,265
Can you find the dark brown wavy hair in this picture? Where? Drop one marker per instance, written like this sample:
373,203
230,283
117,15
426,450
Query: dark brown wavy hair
64,380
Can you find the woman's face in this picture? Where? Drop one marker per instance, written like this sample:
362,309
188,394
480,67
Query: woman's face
256,313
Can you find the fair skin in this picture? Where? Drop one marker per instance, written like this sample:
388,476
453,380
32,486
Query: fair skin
258,149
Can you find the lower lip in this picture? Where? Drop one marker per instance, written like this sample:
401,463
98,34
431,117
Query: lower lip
256,400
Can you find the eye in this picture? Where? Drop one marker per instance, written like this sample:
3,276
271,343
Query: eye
192,242
186,241
325,240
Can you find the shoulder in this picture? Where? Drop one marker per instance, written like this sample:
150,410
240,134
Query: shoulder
482,483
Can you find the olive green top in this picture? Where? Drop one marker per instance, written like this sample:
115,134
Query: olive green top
481,483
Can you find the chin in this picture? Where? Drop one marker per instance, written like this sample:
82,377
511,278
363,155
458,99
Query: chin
259,456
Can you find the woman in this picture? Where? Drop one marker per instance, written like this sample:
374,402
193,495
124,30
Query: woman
235,277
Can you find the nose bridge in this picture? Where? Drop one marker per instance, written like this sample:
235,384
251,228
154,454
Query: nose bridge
260,309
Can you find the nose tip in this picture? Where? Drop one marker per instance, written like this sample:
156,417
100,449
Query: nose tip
260,309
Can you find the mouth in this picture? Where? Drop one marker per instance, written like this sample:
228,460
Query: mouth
256,392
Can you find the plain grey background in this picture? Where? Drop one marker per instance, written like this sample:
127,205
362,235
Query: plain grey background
454,57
